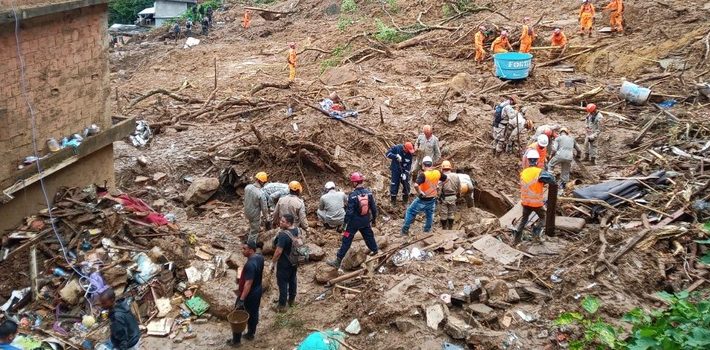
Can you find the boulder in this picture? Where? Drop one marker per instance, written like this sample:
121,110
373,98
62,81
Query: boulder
434,315
483,338
404,325
456,328
315,253
358,253
325,274
201,189
497,290
219,293
353,327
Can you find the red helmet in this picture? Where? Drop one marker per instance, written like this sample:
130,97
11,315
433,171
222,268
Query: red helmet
356,177
548,132
591,108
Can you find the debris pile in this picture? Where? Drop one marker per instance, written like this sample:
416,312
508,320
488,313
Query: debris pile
92,240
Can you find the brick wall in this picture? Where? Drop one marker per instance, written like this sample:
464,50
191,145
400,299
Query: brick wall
66,70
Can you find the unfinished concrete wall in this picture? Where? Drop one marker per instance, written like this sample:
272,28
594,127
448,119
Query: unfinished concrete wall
166,9
65,50
67,81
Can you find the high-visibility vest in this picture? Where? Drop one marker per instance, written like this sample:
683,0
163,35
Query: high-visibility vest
431,181
531,190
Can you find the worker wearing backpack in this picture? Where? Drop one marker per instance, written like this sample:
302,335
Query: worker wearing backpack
360,215
286,259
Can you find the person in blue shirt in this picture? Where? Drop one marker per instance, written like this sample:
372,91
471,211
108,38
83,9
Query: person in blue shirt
8,332
360,215
401,166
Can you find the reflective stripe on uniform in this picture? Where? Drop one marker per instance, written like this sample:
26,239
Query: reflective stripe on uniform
531,190
431,181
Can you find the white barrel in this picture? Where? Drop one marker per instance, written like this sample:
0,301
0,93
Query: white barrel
635,94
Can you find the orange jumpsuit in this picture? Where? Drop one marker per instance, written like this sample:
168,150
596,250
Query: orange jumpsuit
246,20
526,39
478,39
586,17
500,45
292,64
559,40
616,18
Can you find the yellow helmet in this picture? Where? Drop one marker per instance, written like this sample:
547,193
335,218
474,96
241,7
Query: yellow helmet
446,165
295,186
262,176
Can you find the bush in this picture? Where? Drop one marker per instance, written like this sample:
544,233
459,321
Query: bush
126,11
597,333
348,6
387,34
685,324
344,23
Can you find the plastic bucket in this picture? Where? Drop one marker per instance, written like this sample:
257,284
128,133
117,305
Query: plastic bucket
512,65
238,320
633,93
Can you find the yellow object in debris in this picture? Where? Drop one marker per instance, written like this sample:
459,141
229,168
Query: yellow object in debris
192,239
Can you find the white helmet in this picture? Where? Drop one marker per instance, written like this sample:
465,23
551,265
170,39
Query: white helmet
542,140
532,154
427,159
329,185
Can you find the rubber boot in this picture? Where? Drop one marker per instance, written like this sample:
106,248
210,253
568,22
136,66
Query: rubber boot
334,263
443,224
393,200
537,233
451,224
518,235
405,199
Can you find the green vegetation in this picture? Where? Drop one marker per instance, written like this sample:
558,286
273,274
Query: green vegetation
597,333
336,57
126,11
392,4
348,6
344,23
706,258
388,34
683,325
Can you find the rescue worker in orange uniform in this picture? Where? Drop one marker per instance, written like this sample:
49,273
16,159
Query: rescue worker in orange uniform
501,44
291,61
532,196
427,186
586,17
616,16
478,39
527,36
247,19
540,146
559,38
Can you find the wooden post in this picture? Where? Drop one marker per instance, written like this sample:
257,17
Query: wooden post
118,102
551,210
215,73
33,273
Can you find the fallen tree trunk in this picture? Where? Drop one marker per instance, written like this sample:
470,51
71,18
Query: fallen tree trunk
262,86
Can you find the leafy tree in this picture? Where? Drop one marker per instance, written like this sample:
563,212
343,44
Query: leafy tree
126,11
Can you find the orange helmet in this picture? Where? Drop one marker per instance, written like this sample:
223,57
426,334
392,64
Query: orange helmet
591,108
409,147
295,186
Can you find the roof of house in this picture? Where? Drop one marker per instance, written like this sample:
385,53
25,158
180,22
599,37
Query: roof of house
147,11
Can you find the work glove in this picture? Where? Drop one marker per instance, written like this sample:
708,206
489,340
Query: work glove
404,176
399,158
239,305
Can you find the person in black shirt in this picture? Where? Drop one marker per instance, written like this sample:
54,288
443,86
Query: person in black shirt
285,269
249,292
